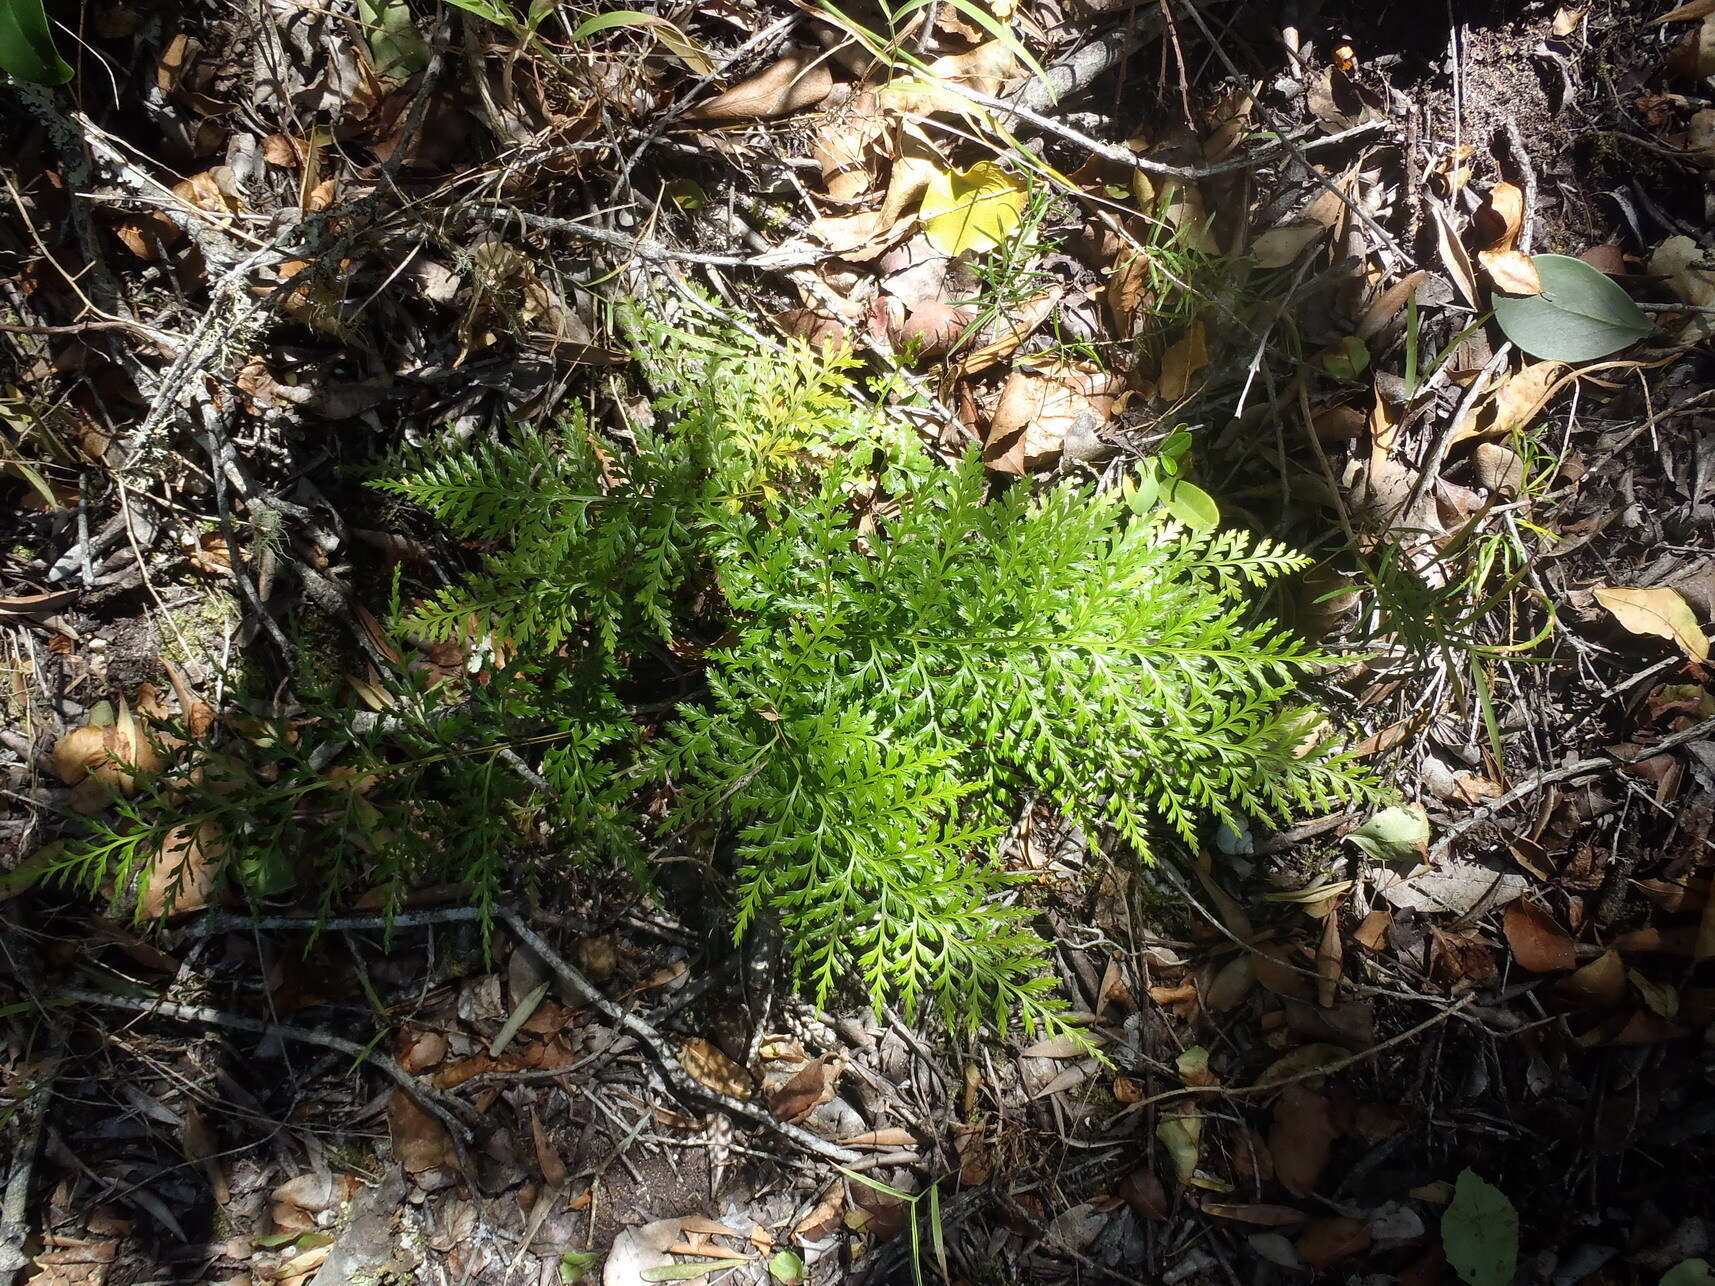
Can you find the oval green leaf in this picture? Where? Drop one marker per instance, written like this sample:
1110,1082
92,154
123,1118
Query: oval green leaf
1580,315
27,44
1479,1232
1191,505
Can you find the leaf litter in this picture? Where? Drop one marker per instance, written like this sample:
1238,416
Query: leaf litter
1097,333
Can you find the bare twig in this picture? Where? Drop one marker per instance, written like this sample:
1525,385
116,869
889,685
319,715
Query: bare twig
656,252
680,1081
431,1102
1566,772
1364,217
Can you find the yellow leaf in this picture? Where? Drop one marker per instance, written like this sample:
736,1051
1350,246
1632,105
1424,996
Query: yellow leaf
972,209
1659,611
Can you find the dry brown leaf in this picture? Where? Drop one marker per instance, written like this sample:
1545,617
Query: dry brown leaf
801,79
807,1089
184,872
1142,1191
1521,398
1601,984
844,147
1281,246
1231,983
1181,363
1301,1139
1017,326
1038,407
824,1218
547,1157
1694,56
1690,12
713,1069
1512,271
1128,286
1658,611
858,237
1330,961
1389,304
1371,934
1501,218
1453,256
1567,20
1538,944
420,1142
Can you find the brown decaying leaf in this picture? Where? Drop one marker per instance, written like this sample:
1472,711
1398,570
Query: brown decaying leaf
1181,363
1453,256
799,80
1538,944
183,874
1231,983
1371,934
807,1089
1142,1191
711,1068
1601,984
1690,12
1389,304
1301,1139
1501,218
1330,960
420,1142
1694,56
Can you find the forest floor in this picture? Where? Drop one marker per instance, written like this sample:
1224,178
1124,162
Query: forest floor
249,252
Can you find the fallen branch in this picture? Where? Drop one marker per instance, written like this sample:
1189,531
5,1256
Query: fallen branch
679,1080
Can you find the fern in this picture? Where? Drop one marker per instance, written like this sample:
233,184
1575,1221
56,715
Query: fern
884,690
886,657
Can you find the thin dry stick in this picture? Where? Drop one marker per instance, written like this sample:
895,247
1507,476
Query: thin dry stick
1566,772
680,1080
1356,207
425,1097
1327,1069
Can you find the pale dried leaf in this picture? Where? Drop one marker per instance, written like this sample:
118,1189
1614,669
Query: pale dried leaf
799,80
1512,271
1658,611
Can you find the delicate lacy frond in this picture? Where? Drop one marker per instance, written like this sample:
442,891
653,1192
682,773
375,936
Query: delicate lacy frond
899,657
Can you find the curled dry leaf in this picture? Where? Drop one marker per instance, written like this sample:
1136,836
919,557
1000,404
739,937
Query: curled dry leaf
1512,271
1537,942
1501,217
1453,255
1659,611
1601,984
1038,407
801,79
